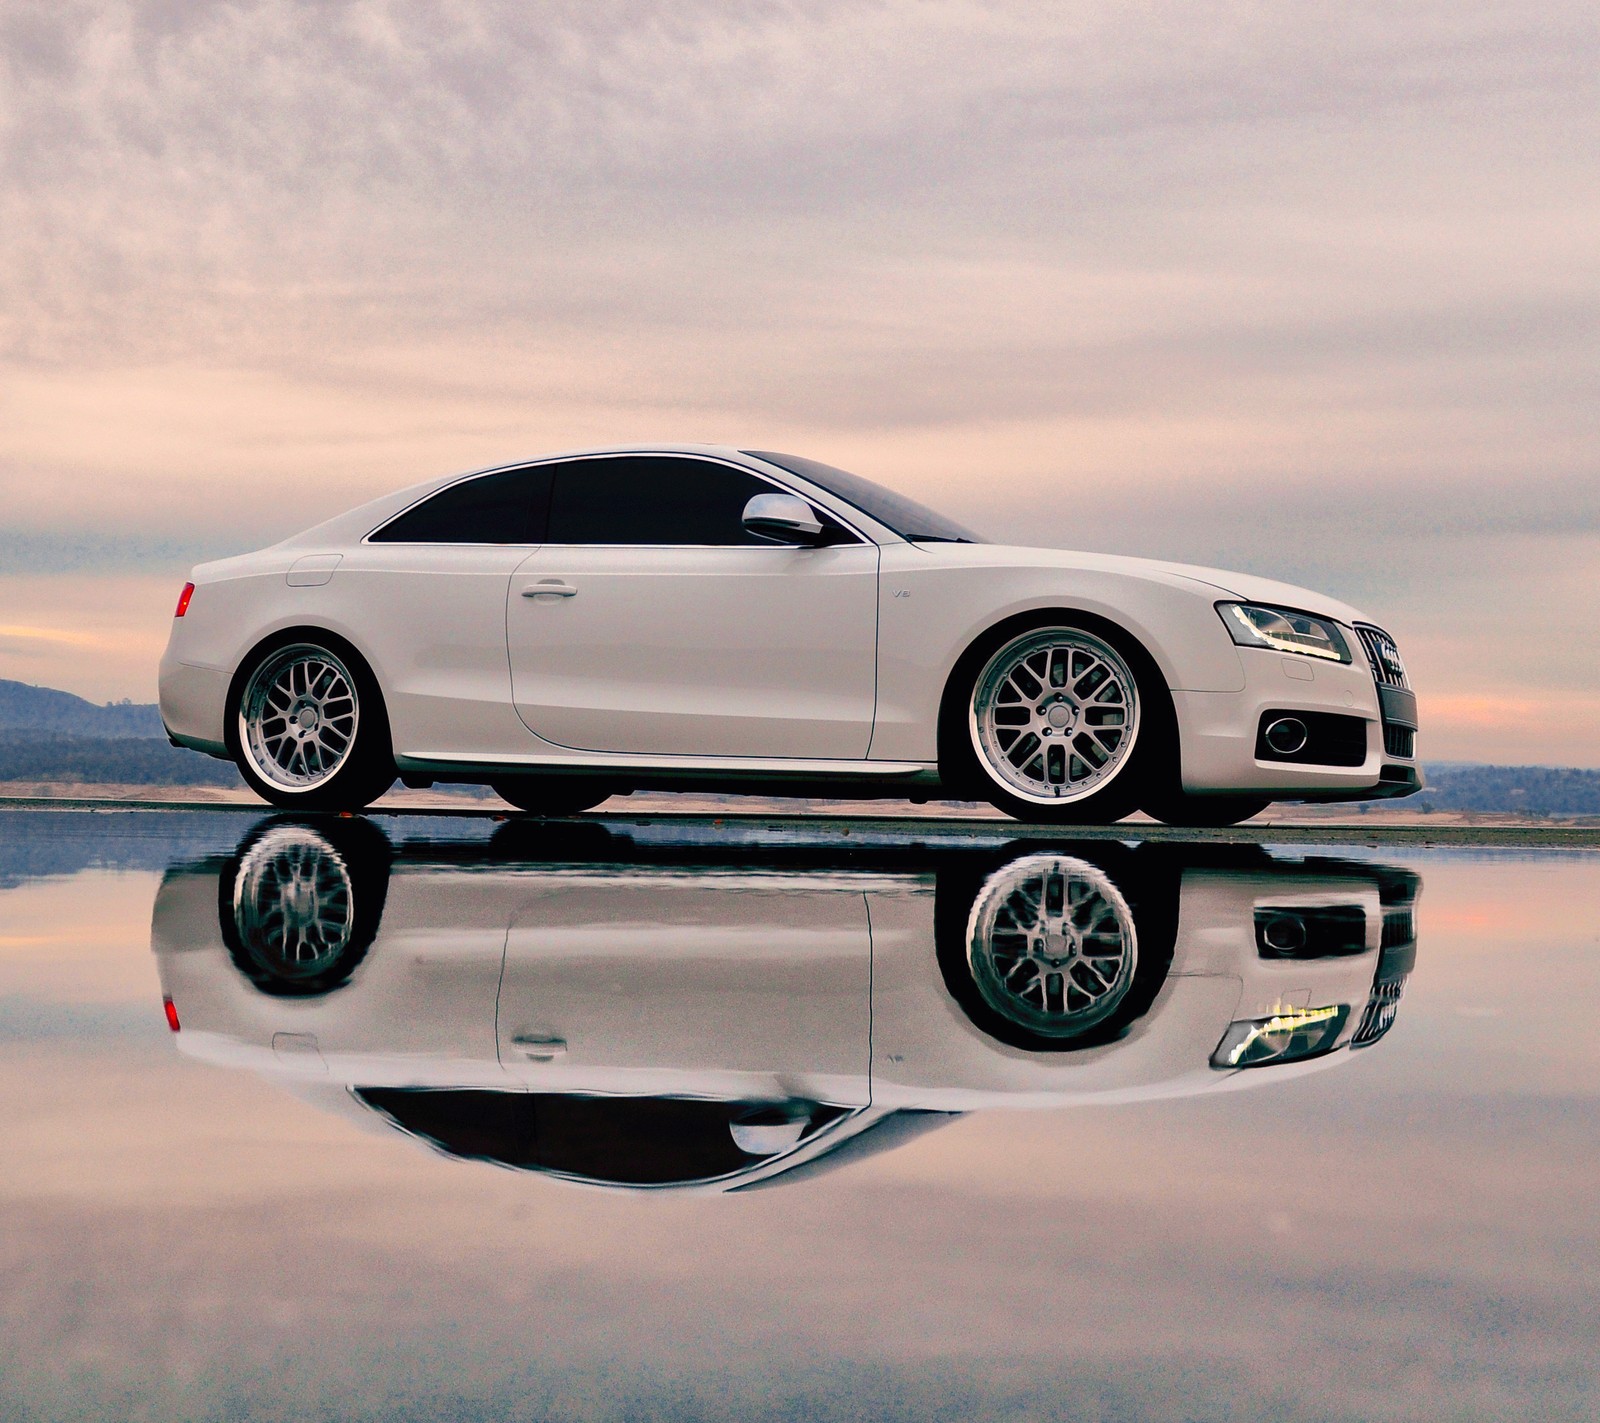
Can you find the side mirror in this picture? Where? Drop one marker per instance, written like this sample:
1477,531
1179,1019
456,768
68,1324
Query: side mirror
784,518
771,1129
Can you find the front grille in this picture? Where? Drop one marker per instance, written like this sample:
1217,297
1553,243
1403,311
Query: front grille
1381,1008
1397,704
1383,656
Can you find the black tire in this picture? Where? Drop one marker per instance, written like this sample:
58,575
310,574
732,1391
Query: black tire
1176,808
300,902
358,772
550,796
966,772
1145,891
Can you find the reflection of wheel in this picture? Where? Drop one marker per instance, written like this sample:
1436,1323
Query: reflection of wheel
1059,948
1176,808
1051,944
1054,721
309,729
550,795
300,903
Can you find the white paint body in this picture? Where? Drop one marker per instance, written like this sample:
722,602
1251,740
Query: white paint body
734,662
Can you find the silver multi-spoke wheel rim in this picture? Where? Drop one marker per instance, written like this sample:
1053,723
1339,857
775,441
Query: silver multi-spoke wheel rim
1055,714
293,903
1051,945
298,717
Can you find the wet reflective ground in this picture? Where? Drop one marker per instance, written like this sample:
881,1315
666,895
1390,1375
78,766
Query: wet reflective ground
442,1119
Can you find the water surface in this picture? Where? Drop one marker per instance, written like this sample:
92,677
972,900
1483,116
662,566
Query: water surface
672,1121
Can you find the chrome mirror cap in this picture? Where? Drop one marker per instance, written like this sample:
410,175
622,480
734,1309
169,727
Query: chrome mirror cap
785,518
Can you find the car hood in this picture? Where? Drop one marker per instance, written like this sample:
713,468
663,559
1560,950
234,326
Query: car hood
1247,587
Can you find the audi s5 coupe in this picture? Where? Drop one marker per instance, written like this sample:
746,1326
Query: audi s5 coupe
704,618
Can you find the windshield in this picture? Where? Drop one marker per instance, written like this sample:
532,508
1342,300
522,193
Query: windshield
909,519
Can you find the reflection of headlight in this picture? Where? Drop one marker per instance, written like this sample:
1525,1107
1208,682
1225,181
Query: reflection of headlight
1283,631
1289,1036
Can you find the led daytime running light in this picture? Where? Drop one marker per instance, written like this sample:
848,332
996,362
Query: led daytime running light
1251,625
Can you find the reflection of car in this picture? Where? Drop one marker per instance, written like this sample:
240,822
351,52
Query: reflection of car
642,1011
708,618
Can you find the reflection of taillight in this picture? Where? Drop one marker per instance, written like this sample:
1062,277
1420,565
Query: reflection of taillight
171,1010
183,600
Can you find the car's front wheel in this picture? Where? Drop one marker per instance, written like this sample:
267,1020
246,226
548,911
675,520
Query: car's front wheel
309,730
1057,722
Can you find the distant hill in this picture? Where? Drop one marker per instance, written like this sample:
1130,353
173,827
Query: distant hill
46,735
28,708
105,760
1534,790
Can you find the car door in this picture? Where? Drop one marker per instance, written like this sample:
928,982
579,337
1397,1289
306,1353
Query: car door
428,591
652,622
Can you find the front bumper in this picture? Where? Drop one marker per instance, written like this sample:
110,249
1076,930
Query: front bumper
1219,732
1396,780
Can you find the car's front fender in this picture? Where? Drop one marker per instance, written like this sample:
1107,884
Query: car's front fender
935,604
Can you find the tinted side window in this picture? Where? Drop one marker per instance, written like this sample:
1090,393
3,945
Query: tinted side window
503,508
650,499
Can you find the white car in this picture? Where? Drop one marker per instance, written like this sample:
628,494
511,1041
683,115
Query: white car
705,618
630,1010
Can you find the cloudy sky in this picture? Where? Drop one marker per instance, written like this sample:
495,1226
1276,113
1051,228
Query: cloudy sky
1310,291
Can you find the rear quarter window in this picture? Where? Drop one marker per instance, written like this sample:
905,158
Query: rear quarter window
506,507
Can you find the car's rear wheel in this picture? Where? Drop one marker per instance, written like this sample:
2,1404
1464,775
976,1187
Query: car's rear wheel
309,730
549,796
1056,718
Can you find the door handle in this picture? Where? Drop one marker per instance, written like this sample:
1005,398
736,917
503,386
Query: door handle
550,588
538,1048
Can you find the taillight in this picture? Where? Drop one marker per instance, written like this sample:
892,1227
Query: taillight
171,1010
183,600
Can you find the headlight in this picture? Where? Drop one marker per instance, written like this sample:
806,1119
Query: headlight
1284,631
1289,1036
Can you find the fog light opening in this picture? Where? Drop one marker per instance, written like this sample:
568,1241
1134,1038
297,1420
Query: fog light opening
1285,934
1287,735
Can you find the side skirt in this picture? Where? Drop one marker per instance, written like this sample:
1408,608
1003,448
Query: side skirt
855,780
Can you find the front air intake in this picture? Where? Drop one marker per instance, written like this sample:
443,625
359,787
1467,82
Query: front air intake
1312,738
1399,741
